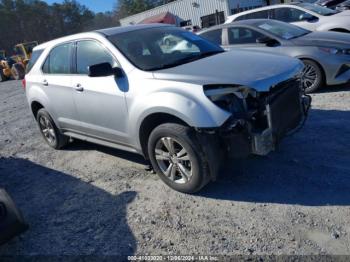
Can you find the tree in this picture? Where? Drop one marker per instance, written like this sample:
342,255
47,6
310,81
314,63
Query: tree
35,20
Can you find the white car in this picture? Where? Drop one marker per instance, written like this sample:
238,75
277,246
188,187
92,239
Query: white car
306,15
184,111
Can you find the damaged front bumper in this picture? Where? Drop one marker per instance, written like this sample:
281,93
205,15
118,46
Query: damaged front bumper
278,114
281,122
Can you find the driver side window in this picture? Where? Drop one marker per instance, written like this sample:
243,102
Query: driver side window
92,53
240,35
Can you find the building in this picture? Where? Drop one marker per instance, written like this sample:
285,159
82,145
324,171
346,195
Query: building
203,13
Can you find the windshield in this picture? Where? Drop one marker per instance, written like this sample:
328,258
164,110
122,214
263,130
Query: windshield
318,9
162,47
282,30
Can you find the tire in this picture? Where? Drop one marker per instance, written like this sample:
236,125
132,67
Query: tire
312,77
187,170
17,71
49,131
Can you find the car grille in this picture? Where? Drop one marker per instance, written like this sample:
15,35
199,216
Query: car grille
284,108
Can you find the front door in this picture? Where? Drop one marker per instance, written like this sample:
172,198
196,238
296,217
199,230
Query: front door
100,101
243,37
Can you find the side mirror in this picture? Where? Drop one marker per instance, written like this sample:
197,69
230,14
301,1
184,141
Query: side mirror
267,41
308,17
104,69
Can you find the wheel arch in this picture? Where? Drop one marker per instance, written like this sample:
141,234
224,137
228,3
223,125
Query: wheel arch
192,109
318,63
150,122
35,107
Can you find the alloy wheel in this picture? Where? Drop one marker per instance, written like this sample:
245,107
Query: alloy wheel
173,160
309,77
47,129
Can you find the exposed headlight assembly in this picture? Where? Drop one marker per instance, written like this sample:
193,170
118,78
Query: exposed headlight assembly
229,98
335,51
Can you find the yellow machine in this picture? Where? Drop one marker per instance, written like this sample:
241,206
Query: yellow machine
23,53
5,69
15,66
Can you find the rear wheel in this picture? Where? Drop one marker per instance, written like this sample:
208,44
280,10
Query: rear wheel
17,71
312,76
49,131
177,158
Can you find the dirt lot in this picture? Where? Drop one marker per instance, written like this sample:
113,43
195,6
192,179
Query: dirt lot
89,199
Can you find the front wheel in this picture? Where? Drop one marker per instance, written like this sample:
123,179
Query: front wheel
177,158
312,76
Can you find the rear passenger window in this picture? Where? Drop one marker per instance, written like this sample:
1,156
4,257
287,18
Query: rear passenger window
213,36
59,60
91,53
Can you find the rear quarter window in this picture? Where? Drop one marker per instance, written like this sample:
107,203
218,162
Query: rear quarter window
35,56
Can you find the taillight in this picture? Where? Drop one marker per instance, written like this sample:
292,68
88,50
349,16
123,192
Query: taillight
24,83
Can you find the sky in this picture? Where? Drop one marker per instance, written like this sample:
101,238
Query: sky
94,5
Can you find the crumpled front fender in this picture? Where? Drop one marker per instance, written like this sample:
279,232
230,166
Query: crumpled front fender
197,111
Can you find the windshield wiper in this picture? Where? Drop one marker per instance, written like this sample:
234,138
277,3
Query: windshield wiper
306,33
210,53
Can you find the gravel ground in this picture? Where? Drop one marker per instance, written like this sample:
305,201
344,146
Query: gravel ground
89,199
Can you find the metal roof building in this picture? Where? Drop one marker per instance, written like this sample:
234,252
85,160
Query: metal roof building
203,13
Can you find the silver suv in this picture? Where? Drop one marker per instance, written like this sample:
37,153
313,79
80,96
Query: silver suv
184,108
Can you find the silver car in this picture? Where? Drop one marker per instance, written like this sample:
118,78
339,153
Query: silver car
326,55
183,110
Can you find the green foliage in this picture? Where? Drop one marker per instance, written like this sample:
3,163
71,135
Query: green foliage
35,20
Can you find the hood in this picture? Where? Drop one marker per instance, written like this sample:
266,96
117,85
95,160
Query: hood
331,39
238,67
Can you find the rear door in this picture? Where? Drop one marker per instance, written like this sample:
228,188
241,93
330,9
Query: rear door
100,101
56,82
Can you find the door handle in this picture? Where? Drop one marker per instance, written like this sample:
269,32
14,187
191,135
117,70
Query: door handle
79,88
45,83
